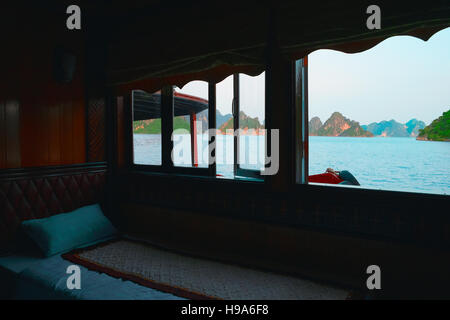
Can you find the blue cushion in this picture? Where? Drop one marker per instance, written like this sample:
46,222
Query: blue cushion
66,231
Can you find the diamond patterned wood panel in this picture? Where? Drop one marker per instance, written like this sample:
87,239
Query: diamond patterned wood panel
96,130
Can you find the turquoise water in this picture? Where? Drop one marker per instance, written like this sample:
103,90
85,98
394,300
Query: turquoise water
402,164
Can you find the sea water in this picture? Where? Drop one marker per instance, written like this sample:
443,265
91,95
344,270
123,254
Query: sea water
402,164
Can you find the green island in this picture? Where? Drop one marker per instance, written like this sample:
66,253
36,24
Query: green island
224,123
153,126
244,122
438,130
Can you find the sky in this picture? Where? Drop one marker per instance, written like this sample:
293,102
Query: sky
400,78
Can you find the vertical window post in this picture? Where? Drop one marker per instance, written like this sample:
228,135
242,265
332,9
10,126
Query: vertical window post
167,127
236,121
301,117
193,127
212,126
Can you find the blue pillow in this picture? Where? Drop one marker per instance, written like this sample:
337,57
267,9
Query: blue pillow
66,231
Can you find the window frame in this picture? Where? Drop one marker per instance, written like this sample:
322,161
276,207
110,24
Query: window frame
129,99
167,107
170,166
237,169
167,165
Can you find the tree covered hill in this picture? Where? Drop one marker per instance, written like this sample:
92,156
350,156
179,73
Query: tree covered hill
224,122
244,122
153,126
314,125
393,128
438,130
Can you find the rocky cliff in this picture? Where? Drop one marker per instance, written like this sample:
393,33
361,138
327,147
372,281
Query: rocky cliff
337,126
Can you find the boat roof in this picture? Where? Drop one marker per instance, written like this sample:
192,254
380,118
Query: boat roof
148,105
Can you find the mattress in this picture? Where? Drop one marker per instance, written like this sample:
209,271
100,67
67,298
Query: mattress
28,276
18,262
10,268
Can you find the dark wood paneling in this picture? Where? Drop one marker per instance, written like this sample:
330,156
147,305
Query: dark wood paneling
391,216
10,136
42,121
96,130
120,132
67,133
54,135
2,135
79,132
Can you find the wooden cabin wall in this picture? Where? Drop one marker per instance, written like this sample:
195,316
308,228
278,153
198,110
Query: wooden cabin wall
42,122
9,134
121,137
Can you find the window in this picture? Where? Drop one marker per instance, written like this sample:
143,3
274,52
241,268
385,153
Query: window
249,111
238,102
190,125
224,129
240,115
367,116
172,110
146,128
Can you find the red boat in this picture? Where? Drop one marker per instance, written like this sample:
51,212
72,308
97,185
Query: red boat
334,177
